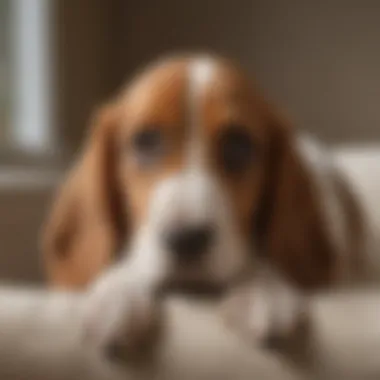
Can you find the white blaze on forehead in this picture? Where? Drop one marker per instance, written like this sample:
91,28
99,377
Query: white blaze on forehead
200,75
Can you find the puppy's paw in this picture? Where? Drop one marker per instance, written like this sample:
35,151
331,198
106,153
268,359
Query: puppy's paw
247,311
267,313
122,318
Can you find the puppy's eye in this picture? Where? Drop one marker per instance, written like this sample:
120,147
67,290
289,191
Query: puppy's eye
148,145
236,150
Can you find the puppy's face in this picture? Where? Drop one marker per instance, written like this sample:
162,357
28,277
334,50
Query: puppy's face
191,164
191,144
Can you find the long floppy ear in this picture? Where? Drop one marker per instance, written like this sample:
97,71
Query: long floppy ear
86,224
290,225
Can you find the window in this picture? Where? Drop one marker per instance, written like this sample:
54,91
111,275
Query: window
26,100
4,70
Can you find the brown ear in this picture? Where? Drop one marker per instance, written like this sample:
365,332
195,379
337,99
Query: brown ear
86,224
290,226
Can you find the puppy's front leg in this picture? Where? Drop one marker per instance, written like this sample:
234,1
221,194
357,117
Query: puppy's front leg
122,311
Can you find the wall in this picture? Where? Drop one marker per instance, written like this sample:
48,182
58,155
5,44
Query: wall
320,60
22,209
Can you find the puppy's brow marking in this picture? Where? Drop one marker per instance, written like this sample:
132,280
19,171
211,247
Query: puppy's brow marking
201,72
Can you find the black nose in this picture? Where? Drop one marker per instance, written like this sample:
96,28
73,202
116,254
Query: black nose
188,243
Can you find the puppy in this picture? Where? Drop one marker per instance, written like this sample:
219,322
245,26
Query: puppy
189,176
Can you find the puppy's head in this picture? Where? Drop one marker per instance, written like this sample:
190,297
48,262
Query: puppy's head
191,158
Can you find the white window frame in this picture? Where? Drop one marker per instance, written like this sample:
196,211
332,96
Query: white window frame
32,127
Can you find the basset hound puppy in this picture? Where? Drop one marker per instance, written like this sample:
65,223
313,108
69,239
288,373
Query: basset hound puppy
189,176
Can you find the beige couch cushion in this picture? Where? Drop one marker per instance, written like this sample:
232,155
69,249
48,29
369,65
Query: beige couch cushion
35,344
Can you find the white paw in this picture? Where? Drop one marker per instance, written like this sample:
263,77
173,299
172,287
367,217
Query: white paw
264,311
248,312
119,314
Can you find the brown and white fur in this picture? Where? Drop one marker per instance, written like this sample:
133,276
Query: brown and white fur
290,216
